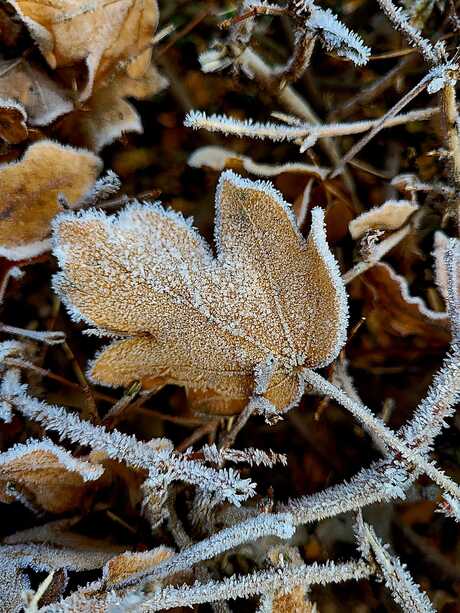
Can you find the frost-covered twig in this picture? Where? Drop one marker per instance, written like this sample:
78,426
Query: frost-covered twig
304,134
375,425
397,578
285,578
388,479
433,54
265,524
157,457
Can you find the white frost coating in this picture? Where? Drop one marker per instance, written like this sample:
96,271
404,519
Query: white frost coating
246,586
337,37
247,127
162,463
415,300
266,524
217,157
25,252
450,507
88,471
318,233
403,588
114,225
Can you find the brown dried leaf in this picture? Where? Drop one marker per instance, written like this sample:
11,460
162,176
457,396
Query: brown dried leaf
13,119
41,97
391,215
102,33
106,116
30,189
129,563
45,473
247,321
392,309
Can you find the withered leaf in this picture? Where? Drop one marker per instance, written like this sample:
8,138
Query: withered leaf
13,119
102,33
393,310
391,215
42,98
46,473
247,321
129,563
30,189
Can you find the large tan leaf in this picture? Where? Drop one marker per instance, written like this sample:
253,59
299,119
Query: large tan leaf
102,33
47,474
30,189
247,321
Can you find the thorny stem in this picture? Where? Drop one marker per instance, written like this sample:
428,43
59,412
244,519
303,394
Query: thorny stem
377,427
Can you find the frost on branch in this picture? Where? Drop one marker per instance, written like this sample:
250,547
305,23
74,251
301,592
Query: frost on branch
204,322
337,37
403,588
30,190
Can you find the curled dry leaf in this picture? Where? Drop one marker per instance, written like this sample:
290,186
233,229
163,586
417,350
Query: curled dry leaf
45,473
393,310
13,119
245,322
42,98
102,33
391,215
30,189
107,115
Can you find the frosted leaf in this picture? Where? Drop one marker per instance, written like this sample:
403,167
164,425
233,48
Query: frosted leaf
42,98
13,119
337,37
219,158
49,474
100,33
30,188
404,313
204,322
106,118
391,215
